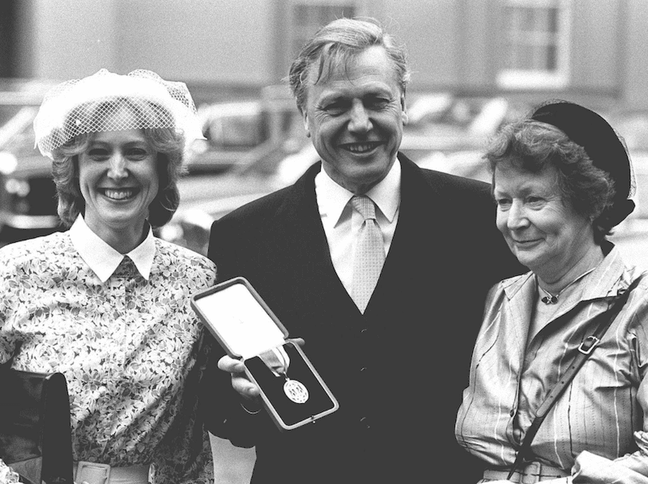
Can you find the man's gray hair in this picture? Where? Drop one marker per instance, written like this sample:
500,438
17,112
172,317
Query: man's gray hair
337,44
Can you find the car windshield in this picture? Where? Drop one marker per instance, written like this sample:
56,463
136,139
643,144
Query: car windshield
19,103
16,133
232,124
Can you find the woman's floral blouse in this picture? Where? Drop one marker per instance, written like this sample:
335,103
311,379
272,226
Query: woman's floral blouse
129,348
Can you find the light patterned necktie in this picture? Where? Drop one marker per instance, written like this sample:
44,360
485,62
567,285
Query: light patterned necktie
369,253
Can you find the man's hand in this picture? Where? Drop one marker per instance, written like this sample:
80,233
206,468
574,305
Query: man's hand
240,382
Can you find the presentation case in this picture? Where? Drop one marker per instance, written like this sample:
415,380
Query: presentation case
292,392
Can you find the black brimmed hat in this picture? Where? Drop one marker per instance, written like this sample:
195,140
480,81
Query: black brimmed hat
601,143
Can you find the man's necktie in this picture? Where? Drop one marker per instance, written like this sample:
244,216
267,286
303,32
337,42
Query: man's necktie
369,253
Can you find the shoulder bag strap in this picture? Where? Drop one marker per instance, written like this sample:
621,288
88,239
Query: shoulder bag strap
604,320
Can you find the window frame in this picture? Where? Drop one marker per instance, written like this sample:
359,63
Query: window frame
512,78
297,35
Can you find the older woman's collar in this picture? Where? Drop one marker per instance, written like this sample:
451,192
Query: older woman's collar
102,258
604,281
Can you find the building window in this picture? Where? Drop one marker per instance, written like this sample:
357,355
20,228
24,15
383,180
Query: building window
536,44
308,16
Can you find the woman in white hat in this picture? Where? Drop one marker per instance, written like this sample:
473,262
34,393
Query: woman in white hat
106,302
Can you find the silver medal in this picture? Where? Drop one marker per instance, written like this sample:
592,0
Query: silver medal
295,391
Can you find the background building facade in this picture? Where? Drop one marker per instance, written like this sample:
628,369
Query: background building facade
585,50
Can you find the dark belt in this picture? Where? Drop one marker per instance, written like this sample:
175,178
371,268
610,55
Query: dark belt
528,474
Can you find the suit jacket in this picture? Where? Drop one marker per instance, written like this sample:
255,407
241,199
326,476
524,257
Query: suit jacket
399,370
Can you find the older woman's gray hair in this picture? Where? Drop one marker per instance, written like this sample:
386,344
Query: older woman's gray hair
337,44
531,146
167,142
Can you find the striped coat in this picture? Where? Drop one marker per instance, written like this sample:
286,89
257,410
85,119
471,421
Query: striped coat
594,422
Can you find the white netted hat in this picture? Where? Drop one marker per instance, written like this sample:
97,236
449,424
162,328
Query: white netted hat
59,119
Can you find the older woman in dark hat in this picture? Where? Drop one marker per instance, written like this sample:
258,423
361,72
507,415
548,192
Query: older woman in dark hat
562,180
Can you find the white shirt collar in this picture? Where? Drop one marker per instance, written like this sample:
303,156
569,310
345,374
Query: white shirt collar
102,258
333,198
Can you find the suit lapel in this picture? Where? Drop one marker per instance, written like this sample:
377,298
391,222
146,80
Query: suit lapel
414,235
418,212
307,245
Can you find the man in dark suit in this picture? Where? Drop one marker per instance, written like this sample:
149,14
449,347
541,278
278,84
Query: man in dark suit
398,363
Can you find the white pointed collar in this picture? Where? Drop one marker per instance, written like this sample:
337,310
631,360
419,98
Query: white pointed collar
335,198
102,258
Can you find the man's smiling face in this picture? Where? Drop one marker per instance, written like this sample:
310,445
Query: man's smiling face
355,116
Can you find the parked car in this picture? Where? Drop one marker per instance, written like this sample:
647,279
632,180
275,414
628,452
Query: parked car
27,194
207,198
446,122
239,133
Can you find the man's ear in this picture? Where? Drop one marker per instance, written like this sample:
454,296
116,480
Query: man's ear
404,116
305,119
